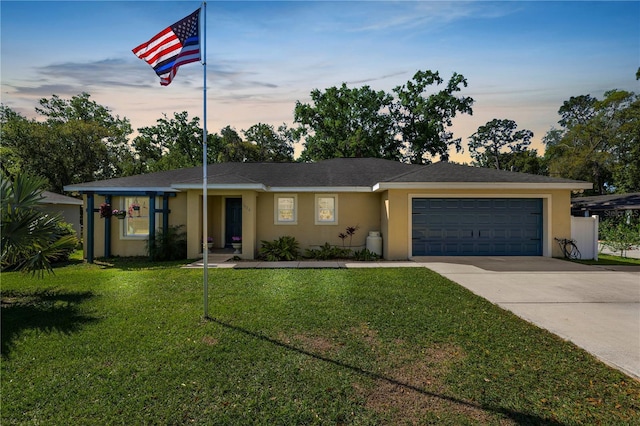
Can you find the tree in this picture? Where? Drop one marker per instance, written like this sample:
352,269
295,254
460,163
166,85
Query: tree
526,161
345,122
598,142
170,144
79,141
424,120
231,148
578,110
31,239
487,144
271,145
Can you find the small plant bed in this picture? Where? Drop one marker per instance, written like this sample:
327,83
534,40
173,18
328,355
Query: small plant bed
126,342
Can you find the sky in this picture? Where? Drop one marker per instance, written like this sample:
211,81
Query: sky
522,59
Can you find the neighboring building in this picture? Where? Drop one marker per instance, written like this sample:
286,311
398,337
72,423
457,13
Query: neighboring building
69,208
420,210
606,206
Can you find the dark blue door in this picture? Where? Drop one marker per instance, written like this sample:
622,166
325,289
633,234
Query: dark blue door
477,227
233,220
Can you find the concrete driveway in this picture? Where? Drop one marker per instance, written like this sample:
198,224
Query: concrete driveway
596,308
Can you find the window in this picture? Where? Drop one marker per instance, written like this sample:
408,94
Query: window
285,209
326,209
136,223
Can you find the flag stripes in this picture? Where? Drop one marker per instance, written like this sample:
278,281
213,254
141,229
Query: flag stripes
174,46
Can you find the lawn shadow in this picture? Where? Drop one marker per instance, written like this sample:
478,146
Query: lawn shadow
45,310
517,417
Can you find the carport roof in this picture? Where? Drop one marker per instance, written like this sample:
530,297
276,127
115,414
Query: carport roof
630,201
348,174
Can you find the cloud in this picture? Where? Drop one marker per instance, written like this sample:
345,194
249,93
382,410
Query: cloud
430,15
382,77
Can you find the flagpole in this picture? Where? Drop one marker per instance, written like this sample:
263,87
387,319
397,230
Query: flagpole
205,254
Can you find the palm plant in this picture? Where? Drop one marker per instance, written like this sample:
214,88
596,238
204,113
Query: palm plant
30,239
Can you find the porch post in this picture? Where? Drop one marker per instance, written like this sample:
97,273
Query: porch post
107,230
90,227
152,219
165,213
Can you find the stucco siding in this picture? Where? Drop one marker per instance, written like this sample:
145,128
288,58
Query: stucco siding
130,246
354,209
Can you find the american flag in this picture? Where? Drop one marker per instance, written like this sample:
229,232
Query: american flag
176,45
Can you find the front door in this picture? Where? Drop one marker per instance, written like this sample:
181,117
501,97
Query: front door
233,220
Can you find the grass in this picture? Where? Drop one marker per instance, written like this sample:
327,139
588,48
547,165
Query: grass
610,259
125,342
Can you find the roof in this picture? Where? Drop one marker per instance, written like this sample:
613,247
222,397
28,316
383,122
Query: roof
345,174
630,201
53,198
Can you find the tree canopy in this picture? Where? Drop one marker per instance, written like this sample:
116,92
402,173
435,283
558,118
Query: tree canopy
78,141
487,144
599,141
347,122
411,126
424,121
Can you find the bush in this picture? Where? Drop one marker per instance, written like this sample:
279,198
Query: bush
619,235
327,251
64,229
30,239
365,255
284,248
170,245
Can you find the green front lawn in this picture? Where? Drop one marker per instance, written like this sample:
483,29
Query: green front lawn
127,344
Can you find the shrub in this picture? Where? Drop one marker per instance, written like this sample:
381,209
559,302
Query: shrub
30,239
170,245
348,232
64,229
284,248
619,236
365,255
327,251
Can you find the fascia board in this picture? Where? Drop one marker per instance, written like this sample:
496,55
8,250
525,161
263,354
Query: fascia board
232,186
320,189
480,185
110,189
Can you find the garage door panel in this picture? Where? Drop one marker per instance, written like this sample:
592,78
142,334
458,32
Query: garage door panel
482,226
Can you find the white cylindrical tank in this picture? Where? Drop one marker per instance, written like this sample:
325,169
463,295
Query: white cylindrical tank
374,242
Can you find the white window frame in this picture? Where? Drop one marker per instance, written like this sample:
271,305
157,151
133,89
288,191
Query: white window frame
123,223
276,209
318,220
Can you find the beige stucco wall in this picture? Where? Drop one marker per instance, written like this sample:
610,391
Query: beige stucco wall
216,220
130,246
354,209
387,211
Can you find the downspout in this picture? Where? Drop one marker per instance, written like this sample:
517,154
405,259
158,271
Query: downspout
90,227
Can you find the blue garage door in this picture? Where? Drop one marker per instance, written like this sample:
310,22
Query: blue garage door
477,227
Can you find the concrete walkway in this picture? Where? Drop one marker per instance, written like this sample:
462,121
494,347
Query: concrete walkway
596,308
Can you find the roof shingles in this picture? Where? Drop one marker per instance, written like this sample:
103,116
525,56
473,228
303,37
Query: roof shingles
339,172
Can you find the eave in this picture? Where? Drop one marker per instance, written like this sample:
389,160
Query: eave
383,186
116,190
